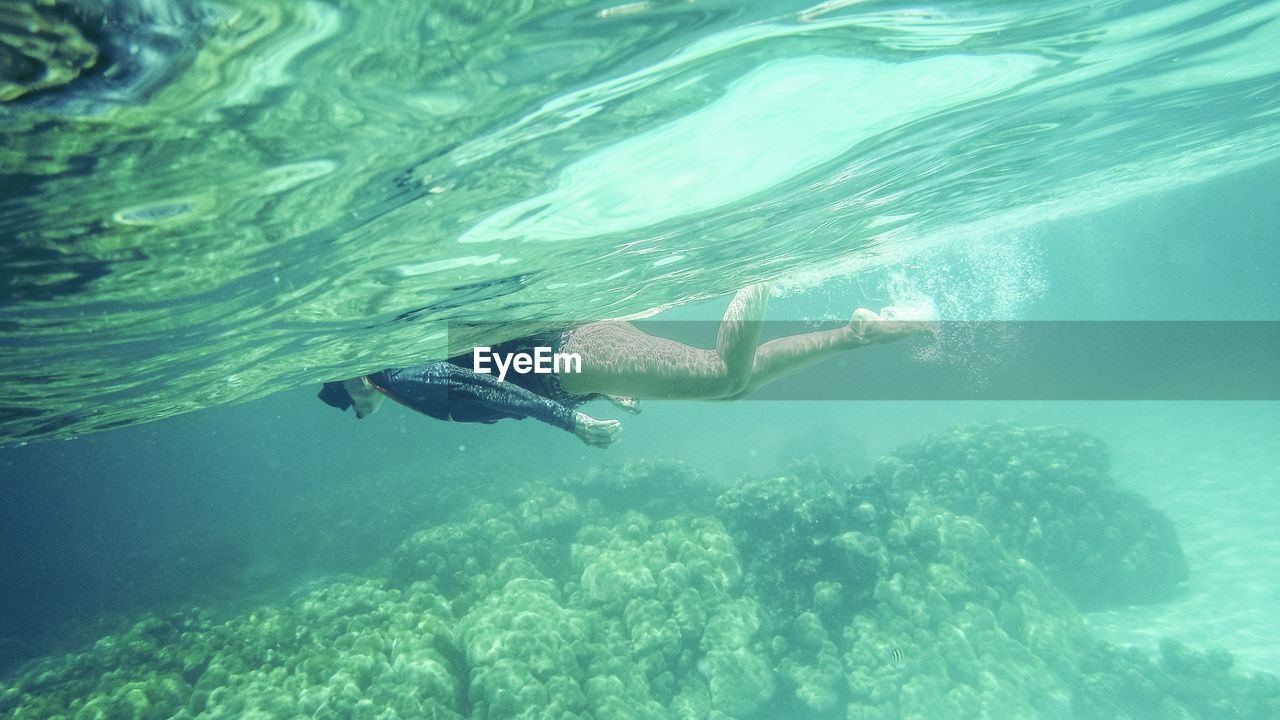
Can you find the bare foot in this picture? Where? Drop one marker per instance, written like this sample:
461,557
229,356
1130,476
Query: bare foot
868,328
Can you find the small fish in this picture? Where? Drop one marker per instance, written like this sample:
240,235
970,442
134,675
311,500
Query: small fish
895,658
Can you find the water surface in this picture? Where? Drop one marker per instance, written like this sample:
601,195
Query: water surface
247,197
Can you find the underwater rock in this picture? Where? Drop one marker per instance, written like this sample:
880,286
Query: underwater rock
880,603
341,651
550,514
1046,494
521,647
655,606
884,604
659,489
687,631
811,663
1183,683
455,558
819,596
958,629
790,526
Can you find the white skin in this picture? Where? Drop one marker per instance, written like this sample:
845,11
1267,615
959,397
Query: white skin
625,404
603,433
596,433
624,364
364,396
620,360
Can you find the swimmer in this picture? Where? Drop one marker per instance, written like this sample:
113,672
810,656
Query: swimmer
623,364
447,391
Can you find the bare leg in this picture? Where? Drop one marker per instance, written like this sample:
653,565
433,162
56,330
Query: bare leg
786,356
619,359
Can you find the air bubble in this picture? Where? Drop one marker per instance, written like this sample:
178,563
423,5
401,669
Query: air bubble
154,213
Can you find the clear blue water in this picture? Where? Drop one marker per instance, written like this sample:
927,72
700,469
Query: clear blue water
278,194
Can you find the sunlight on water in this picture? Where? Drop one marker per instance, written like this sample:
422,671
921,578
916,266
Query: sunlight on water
282,193
795,114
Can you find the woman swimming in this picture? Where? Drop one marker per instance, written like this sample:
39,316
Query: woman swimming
622,363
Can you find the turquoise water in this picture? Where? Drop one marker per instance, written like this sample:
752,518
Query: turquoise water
264,196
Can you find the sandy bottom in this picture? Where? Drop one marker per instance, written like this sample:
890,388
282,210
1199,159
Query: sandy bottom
1216,472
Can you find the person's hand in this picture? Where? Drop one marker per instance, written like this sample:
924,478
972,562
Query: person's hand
598,433
625,403
887,326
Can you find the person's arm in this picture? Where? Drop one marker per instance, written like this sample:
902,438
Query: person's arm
480,396
625,403
450,392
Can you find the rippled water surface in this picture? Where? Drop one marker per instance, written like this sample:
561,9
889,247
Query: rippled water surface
245,197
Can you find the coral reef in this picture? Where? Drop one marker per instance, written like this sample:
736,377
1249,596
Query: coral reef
621,621
813,595
1119,684
659,489
1047,495
900,608
348,650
